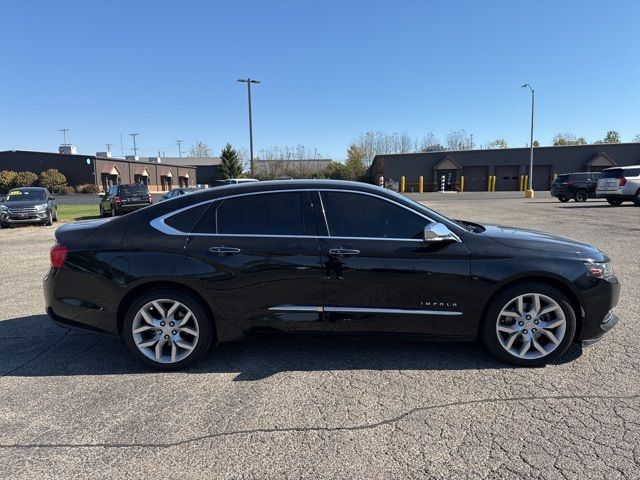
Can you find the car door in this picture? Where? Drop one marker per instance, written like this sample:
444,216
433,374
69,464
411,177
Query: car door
257,257
380,275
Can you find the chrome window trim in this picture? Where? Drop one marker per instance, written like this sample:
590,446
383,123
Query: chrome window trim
159,222
401,311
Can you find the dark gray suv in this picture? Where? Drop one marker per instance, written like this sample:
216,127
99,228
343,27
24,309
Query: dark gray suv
28,205
579,186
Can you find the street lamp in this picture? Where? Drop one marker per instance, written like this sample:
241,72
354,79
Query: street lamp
529,193
249,81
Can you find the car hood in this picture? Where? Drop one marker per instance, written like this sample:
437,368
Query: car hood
24,203
520,238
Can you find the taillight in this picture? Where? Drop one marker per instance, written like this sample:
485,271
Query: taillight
57,255
150,199
622,181
116,199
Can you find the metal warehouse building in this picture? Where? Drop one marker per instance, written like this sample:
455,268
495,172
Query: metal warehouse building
471,170
103,171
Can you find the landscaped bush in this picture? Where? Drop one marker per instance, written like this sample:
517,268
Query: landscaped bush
25,179
66,190
52,180
7,180
88,188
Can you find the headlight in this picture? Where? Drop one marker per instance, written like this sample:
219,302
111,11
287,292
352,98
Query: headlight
41,208
3,208
600,269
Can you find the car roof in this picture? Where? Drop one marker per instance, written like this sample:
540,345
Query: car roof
622,168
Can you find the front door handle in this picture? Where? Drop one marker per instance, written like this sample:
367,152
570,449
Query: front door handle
221,250
344,252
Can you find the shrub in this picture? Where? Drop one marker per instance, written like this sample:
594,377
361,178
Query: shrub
52,180
66,190
7,180
88,188
25,179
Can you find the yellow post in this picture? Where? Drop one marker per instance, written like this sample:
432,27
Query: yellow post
521,183
462,183
402,184
489,185
493,184
421,184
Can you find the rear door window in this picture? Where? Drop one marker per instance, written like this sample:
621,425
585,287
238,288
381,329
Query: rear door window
616,173
135,190
277,214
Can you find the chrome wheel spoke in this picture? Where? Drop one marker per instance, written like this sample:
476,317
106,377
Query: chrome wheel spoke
148,343
147,316
185,319
526,345
189,331
144,328
553,323
536,304
174,350
512,339
172,310
158,349
549,309
520,303
510,314
551,336
184,345
159,308
539,347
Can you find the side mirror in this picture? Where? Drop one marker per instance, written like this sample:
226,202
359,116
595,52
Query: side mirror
52,197
437,232
102,195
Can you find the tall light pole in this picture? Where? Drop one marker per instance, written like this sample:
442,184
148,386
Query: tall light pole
179,143
249,81
135,148
530,193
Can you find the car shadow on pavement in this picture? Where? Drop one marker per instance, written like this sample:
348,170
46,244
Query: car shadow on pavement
606,205
33,346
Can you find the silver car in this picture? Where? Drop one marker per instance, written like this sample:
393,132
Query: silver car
620,184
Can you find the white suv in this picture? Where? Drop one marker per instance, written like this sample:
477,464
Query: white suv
618,184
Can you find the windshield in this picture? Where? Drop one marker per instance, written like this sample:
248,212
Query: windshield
25,195
617,173
432,214
132,190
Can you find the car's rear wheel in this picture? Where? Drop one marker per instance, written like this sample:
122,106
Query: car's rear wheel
581,195
636,198
166,329
529,325
563,199
102,214
113,211
614,202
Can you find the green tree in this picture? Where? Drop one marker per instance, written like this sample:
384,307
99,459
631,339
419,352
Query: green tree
52,180
7,180
230,166
567,138
355,164
337,171
612,137
25,179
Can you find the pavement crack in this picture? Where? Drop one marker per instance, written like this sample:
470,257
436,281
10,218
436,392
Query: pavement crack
366,426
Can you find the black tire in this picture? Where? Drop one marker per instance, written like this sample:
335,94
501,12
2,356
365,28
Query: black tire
563,199
49,220
102,214
581,195
489,334
55,215
614,202
113,212
636,198
204,322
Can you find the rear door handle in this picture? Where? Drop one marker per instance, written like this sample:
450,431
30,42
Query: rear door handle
221,250
344,252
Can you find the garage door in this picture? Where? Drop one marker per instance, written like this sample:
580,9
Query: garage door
507,178
542,177
475,179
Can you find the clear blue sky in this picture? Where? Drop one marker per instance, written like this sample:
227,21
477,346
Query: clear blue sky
329,70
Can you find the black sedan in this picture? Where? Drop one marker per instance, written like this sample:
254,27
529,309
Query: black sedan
28,205
323,256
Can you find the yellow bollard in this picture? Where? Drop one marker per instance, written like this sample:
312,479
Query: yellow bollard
462,183
402,184
493,184
521,183
421,184
489,185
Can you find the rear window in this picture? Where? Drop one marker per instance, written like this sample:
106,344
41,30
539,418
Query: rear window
133,190
616,173
562,178
580,176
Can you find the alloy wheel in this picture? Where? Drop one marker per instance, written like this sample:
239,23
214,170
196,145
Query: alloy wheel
531,326
165,331
581,196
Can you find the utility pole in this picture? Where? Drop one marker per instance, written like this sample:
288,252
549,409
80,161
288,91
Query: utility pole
249,81
530,193
135,148
179,143
64,135
108,147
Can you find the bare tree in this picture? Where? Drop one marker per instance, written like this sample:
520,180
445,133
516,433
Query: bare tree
567,138
459,140
200,150
429,143
498,143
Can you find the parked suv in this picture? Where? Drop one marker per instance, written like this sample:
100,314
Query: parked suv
620,184
579,186
28,205
121,199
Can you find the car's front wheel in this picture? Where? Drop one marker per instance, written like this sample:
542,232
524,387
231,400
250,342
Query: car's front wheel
166,329
614,202
529,325
636,198
48,220
581,196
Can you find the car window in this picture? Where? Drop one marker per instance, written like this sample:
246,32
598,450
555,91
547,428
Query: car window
357,215
184,221
136,189
615,173
562,178
278,213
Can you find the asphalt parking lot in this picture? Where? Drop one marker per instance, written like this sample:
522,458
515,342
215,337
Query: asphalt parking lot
75,405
